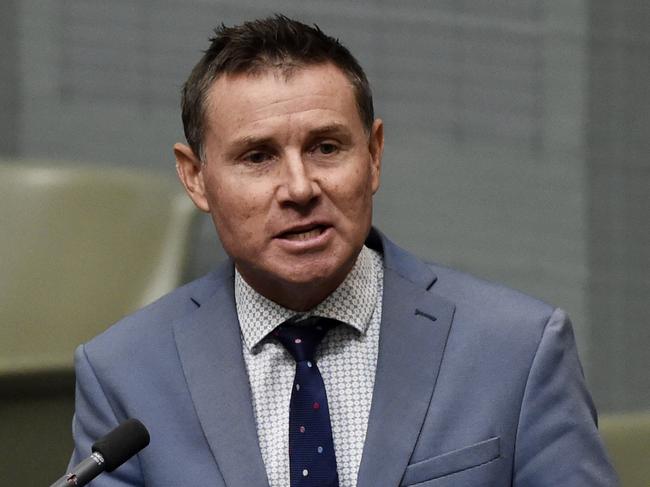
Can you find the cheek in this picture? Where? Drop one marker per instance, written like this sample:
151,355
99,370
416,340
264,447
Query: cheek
354,195
360,188
237,214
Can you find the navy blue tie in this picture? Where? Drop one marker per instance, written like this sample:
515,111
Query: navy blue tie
312,460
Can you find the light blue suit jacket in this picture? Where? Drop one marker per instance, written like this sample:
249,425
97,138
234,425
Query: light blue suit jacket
476,385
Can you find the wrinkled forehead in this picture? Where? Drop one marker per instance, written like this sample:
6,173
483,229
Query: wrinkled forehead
236,96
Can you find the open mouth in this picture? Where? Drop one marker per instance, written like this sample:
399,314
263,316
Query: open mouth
304,234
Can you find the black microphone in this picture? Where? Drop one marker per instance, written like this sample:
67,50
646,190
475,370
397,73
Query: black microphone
109,452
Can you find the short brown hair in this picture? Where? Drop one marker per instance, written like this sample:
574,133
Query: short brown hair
259,45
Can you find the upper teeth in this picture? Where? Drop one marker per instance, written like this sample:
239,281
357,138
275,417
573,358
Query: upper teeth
304,235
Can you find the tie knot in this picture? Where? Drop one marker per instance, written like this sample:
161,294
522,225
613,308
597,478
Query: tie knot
301,337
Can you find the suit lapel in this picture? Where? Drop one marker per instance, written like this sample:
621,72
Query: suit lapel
414,329
210,351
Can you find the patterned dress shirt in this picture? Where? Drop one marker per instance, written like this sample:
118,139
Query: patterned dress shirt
347,359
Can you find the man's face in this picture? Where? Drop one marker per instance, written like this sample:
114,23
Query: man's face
288,176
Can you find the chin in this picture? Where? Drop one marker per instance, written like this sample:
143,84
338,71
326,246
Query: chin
308,276
313,272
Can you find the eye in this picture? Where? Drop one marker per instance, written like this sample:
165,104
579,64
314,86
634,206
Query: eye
257,157
326,148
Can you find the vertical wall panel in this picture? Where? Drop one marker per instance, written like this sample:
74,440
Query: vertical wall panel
619,202
9,78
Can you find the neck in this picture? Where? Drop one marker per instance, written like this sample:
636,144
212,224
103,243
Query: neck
300,297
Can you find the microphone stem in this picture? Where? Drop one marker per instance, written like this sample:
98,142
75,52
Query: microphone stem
83,472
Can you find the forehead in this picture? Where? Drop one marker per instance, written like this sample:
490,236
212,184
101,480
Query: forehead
300,94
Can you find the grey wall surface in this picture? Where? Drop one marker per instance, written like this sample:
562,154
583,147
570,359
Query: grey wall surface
618,182
10,82
515,133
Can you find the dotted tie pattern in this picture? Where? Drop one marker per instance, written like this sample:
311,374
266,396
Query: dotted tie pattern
312,460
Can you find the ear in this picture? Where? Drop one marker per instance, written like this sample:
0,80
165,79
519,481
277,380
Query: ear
376,148
190,171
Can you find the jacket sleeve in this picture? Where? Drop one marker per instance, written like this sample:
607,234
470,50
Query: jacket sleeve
557,438
93,418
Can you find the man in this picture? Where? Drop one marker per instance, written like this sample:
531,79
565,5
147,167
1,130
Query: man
419,375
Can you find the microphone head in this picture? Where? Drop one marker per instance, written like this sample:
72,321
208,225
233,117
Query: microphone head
122,443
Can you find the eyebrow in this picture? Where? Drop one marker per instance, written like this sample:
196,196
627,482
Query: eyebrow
329,129
332,128
252,140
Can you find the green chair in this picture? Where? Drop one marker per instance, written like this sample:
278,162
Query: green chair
627,437
79,248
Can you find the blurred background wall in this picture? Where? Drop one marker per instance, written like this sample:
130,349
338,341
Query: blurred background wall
517,134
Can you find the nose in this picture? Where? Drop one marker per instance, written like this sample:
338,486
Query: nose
297,187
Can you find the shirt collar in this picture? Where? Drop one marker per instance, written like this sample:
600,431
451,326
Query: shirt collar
258,316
